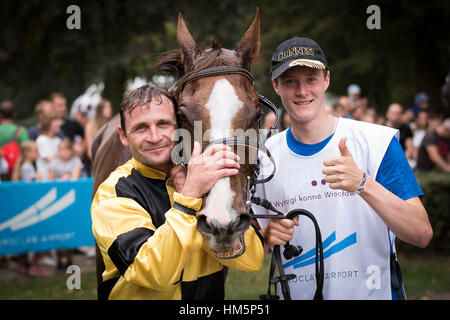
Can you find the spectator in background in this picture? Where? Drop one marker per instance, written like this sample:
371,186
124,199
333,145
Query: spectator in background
26,167
42,109
67,165
420,129
26,171
48,143
3,165
379,119
9,132
338,110
358,111
394,120
346,105
69,128
370,115
103,113
80,150
407,118
364,101
434,149
353,93
7,126
269,120
421,103
82,116
434,120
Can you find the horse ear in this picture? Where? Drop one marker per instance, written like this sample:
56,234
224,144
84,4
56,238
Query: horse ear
186,42
248,47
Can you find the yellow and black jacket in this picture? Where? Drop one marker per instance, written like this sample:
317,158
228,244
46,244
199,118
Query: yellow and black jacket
150,249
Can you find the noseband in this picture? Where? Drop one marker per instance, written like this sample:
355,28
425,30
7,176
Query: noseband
290,251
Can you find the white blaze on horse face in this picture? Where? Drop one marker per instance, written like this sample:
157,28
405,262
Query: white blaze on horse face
223,104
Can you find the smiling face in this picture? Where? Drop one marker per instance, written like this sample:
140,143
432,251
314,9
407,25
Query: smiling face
149,130
302,91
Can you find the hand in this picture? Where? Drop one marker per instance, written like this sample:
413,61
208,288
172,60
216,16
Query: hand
279,231
342,172
178,177
204,170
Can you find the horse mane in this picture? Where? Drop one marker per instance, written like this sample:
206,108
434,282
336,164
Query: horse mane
172,62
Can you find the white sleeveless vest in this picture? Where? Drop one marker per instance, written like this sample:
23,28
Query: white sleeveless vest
355,239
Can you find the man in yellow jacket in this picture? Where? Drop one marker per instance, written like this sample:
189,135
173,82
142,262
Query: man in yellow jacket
152,250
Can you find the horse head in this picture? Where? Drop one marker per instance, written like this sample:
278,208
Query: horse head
221,105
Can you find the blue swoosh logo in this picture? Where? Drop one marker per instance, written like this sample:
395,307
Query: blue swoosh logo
309,257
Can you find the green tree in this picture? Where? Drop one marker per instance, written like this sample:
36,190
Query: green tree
121,39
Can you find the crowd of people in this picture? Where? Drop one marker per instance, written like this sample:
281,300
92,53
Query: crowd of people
55,148
424,134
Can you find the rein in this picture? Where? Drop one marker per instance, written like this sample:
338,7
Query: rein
290,251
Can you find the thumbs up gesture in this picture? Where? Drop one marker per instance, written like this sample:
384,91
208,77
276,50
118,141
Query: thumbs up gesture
342,172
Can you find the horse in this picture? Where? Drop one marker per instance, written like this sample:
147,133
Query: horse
214,86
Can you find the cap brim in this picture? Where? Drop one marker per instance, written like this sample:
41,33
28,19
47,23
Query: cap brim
314,64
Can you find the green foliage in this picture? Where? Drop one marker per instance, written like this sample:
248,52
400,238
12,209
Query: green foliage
121,39
436,188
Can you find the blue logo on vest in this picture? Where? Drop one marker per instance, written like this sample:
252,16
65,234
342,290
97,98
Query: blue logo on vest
309,257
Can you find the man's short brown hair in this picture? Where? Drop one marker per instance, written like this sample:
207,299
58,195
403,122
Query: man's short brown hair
55,95
7,110
140,97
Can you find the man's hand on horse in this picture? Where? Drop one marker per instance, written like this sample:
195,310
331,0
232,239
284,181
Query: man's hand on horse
205,169
178,177
342,172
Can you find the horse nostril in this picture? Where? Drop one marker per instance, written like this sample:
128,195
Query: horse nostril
242,223
203,225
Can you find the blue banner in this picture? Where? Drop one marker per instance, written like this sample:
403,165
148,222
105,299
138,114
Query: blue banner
42,216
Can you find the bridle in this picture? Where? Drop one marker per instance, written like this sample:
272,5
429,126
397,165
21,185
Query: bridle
290,251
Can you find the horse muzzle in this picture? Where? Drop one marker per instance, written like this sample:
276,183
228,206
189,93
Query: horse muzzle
226,242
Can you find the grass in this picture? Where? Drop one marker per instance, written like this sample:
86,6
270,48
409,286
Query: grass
424,276
51,288
247,286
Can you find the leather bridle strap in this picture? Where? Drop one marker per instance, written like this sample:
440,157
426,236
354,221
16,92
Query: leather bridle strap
272,107
223,70
216,71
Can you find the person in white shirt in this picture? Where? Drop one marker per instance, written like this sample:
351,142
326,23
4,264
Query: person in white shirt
47,143
67,165
351,175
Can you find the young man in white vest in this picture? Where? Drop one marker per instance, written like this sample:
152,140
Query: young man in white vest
353,176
